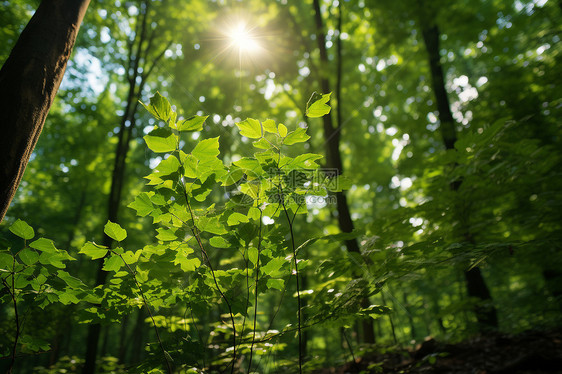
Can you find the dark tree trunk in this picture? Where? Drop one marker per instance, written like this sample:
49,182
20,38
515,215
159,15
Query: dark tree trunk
476,286
137,340
485,311
114,201
332,142
29,81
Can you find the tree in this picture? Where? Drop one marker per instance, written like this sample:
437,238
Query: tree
29,81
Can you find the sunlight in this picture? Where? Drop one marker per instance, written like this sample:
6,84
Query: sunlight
242,39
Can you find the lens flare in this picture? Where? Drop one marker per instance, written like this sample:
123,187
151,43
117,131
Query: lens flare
243,39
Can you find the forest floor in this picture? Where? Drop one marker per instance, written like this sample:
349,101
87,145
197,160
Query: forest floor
529,352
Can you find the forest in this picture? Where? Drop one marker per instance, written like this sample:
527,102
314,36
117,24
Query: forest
314,186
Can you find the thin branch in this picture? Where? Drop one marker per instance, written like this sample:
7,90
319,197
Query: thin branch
147,306
195,232
256,294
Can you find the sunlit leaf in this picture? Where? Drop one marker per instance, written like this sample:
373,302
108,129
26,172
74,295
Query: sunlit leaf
159,107
297,136
318,107
93,251
112,263
161,140
206,149
282,130
22,229
250,128
194,123
115,231
142,204
236,218
44,245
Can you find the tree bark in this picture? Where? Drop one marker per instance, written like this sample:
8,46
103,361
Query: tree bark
29,81
332,143
486,314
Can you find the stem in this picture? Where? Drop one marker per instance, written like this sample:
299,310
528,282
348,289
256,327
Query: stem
256,296
195,233
149,313
290,222
349,346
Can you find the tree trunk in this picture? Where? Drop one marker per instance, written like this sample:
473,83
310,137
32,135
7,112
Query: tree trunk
137,75
29,81
332,142
476,286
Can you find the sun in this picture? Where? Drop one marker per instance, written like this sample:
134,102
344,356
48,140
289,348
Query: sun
242,39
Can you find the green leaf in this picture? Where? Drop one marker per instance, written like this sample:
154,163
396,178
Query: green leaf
44,245
262,144
166,234
250,166
276,283
142,204
168,166
211,225
54,259
206,149
161,140
131,257
250,128
233,176
269,126
194,123
28,256
318,108
114,231
187,264
69,297
22,229
236,218
70,280
112,263
282,130
297,136
219,242
159,107
273,266
250,189
253,255
6,261
93,251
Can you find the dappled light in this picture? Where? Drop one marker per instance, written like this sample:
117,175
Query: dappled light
281,186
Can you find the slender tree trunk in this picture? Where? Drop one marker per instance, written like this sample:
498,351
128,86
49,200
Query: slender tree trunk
29,81
114,201
117,179
123,339
137,338
476,286
332,143
139,50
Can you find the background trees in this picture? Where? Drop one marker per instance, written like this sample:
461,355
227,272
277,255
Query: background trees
433,195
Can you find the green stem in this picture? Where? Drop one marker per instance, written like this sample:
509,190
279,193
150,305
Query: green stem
146,305
256,296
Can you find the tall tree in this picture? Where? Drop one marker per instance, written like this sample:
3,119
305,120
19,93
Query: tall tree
476,286
332,136
29,81
142,57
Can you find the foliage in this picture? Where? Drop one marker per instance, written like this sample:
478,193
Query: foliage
201,274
